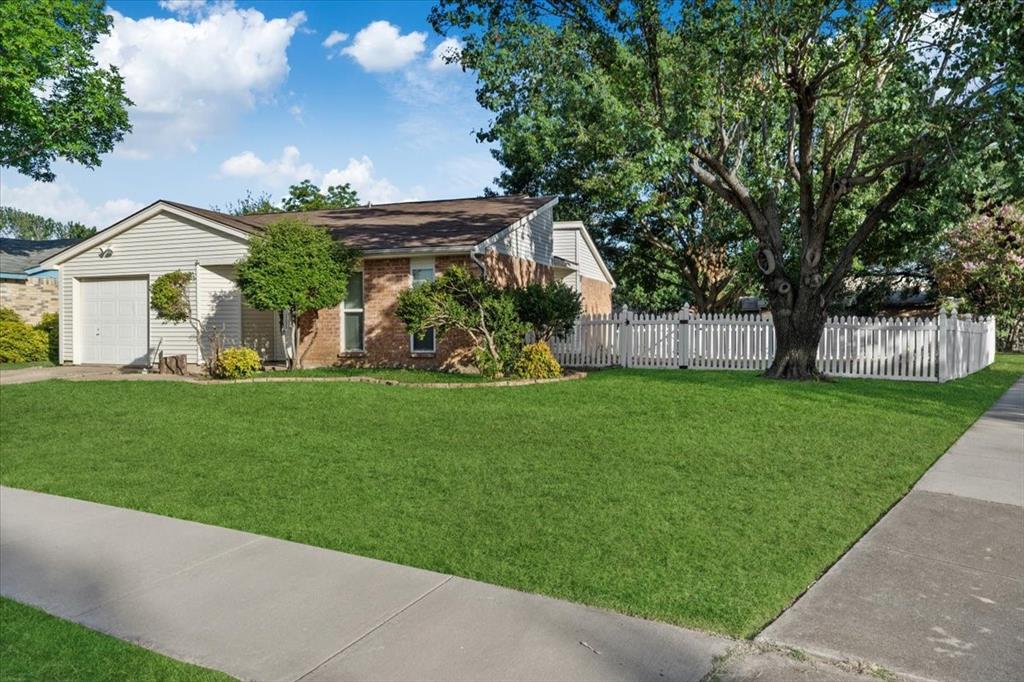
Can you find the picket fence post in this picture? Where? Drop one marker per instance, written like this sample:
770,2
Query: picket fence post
943,369
683,338
625,338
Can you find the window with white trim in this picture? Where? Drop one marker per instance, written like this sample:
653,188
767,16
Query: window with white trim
352,327
422,270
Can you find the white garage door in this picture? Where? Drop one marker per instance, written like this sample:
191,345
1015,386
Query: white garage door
115,321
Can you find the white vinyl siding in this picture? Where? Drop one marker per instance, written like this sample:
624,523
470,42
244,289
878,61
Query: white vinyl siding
220,305
154,247
533,240
571,243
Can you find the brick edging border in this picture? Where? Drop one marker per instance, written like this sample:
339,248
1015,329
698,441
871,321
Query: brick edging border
571,376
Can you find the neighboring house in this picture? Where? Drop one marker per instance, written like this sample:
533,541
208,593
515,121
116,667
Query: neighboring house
25,287
104,280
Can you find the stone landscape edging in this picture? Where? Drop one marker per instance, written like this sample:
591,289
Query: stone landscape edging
572,376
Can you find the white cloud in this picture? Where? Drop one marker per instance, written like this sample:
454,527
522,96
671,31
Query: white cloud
278,174
274,173
63,202
184,7
380,46
447,49
296,111
334,38
189,79
360,174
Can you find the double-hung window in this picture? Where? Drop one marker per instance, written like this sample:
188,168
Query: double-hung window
422,272
352,315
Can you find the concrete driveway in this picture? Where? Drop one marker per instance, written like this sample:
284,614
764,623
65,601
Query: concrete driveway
80,373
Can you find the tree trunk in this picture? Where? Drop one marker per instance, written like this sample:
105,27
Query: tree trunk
295,361
797,333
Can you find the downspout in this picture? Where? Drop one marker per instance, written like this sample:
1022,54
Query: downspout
474,256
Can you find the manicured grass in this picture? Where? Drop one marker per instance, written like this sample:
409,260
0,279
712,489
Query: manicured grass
36,646
409,376
5,366
707,499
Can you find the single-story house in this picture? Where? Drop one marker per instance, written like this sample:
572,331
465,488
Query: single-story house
25,287
104,280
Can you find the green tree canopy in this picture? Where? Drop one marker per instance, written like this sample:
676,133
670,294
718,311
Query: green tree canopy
297,269
306,196
817,125
250,204
55,100
981,267
19,224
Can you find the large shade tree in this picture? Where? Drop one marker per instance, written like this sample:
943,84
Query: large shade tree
56,101
816,123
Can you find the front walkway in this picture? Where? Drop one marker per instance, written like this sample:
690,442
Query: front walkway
936,589
266,609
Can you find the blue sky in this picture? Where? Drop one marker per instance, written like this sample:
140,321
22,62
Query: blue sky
242,95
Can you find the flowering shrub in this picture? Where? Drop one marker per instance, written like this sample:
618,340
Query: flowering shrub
237,362
536,361
982,269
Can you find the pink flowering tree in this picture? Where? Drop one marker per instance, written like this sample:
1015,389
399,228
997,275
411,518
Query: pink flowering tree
982,269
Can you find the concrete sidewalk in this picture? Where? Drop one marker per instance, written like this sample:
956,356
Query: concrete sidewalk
936,589
266,609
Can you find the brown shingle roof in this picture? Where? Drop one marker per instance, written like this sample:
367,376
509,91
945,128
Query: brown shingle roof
448,223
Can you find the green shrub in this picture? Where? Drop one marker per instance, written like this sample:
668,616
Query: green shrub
536,361
459,301
21,343
8,315
550,309
237,362
50,325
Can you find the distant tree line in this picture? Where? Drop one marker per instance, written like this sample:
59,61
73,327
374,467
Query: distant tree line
18,224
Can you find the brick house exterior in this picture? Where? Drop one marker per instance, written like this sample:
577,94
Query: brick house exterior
515,239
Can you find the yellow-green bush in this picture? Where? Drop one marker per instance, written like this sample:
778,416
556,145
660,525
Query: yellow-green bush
237,362
50,325
21,343
536,361
8,315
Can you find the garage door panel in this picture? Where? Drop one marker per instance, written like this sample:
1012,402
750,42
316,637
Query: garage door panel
114,328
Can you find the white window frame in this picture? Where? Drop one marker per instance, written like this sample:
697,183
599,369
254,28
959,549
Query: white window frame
361,310
414,265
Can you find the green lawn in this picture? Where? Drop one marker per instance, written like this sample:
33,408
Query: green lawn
707,499
36,646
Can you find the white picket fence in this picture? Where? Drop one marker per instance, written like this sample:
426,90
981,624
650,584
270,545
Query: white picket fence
927,349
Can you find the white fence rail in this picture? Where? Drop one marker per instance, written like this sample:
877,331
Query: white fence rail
928,349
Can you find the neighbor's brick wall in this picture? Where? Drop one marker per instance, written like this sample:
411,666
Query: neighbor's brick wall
386,341
597,296
30,298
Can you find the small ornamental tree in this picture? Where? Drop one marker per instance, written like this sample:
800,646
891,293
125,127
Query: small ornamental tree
294,268
169,298
550,309
459,301
983,269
